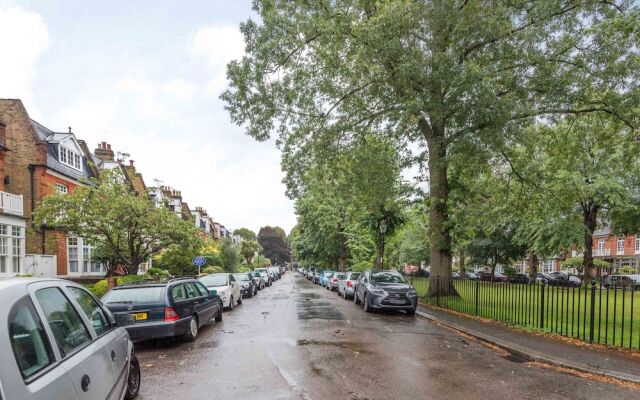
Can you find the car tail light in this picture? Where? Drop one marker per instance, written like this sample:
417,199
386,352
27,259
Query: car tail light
334,280
170,315
349,283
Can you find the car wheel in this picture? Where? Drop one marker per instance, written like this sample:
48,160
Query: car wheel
240,299
356,300
133,380
219,316
231,303
366,303
192,333
411,311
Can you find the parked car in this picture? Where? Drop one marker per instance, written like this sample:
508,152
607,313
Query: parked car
226,287
495,277
310,273
177,307
622,281
385,290
64,343
347,285
455,275
247,286
275,271
316,276
519,278
334,279
269,275
562,279
324,278
472,276
259,279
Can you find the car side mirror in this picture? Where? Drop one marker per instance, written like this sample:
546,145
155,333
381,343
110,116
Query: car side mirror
213,292
123,319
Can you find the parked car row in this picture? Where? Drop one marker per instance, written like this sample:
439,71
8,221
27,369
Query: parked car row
375,290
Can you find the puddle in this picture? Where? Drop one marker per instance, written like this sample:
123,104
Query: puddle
307,295
207,345
319,313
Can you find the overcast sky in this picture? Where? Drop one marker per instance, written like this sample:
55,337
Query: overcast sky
145,76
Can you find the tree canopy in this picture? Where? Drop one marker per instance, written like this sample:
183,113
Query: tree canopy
440,74
274,244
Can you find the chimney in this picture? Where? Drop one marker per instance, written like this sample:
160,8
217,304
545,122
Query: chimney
104,152
131,163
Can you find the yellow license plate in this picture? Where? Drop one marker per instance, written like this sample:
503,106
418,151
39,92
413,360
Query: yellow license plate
140,316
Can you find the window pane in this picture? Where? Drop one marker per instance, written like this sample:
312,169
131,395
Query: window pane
3,264
177,292
65,323
28,339
16,265
3,229
4,246
203,290
192,292
92,310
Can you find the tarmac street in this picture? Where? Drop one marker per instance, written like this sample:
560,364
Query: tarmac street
297,340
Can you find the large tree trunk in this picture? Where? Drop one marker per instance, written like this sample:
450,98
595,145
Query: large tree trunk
463,267
533,267
589,213
439,231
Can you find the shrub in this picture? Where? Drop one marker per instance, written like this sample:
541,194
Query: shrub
158,273
361,266
101,287
213,269
510,271
627,270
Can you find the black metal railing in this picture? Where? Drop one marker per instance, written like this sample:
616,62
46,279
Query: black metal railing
589,312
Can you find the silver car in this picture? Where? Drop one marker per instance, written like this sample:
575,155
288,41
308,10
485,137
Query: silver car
334,279
62,343
346,286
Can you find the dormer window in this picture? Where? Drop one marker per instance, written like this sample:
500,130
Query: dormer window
70,158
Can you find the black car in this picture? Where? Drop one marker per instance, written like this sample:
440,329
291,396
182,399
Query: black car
519,278
248,286
177,307
385,290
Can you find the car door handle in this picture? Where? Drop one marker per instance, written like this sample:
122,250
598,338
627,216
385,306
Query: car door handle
113,355
85,382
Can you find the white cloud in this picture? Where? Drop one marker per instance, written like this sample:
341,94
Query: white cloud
216,45
23,38
145,102
180,89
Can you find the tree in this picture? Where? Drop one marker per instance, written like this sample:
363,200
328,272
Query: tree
578,263
245,233
320,74
127,228
229,255
274,244
248,249
495,247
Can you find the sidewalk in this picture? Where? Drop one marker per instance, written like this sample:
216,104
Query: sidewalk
531,347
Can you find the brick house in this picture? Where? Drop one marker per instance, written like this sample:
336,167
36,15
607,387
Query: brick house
620,251
39,163
12,222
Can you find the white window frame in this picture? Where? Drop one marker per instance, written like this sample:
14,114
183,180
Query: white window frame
82,258
11,249
62,189
637,244
620,249
69,157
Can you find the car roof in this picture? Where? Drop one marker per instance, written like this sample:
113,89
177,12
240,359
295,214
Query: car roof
25,281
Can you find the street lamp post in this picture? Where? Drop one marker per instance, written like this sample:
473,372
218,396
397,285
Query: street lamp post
383,229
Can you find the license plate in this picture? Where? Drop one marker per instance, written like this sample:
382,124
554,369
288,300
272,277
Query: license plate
396,301
140,316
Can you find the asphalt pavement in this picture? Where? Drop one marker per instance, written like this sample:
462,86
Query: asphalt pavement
296,340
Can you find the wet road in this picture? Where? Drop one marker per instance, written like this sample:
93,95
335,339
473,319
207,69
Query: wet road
296,340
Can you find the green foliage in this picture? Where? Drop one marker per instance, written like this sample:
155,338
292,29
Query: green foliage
127,229
245,233
249,249
176,260
627,270
261,261
273,241
578,263
509,270
230,255
157,273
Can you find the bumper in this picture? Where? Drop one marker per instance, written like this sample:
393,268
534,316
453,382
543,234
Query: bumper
247,292
157,330
348,291
386,303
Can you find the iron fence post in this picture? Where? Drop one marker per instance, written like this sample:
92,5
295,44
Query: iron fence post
477,295
437,291
542,305
592,312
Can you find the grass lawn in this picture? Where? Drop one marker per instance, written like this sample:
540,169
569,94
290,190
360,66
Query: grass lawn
566,312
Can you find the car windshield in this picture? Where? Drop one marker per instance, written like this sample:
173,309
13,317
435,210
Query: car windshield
257,274
150,294
341,276
214,280
241,277
261,270
327,273
387,277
